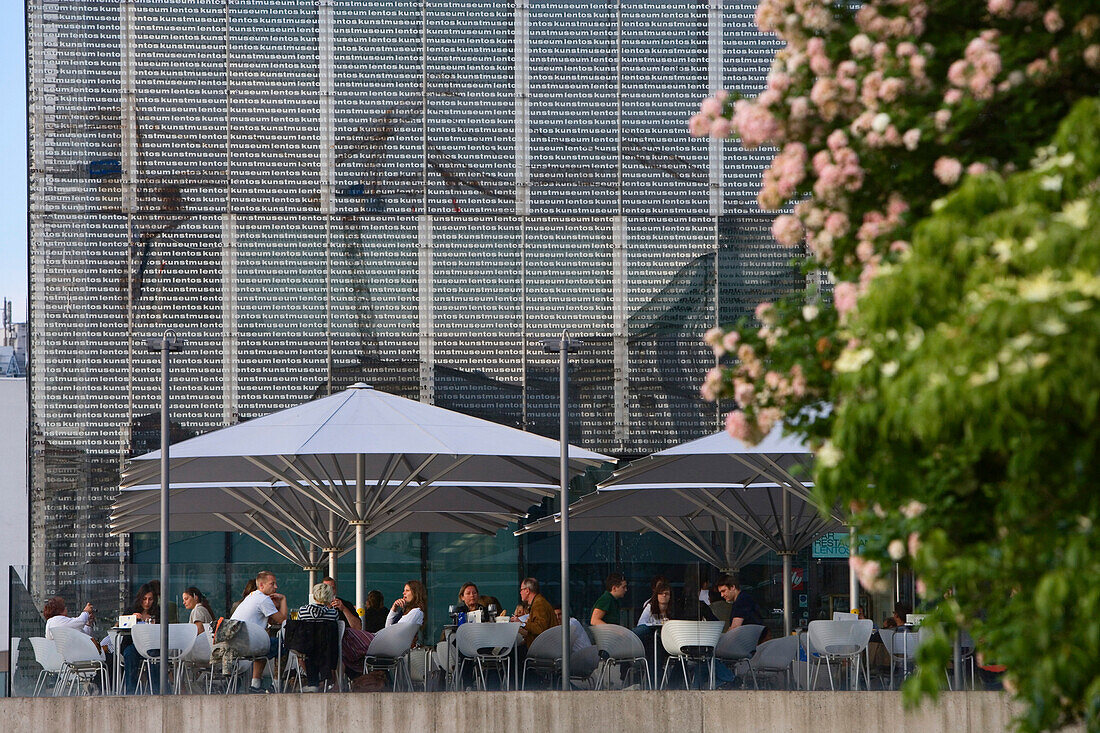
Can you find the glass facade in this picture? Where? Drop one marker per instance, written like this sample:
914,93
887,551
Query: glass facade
411,194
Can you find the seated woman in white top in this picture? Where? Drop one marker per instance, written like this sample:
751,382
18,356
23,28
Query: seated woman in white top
656,610
57,617
411,606
201,613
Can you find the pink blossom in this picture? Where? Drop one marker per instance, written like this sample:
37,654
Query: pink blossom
729,341
798,382
737,425
721,128
952,96
800,108
767,419
941,118
911,138
699,125
865,250
743,392
914,543
787,230
896,206
1038,67
891,89
779,81
836,140
866,570
1052,21
947,170
712,384
710,107
844,297
837,224
1092,56
899,246
1000,7
860,45
755,124
722,95
917,64
905,49
765,313
824,96
772,380
977,169
770,14
714,339
820,64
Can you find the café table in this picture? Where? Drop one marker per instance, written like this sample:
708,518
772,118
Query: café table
116,635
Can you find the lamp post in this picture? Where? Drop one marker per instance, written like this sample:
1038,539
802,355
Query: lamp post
563,347
166,344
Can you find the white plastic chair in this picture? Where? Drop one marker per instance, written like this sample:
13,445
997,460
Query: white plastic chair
619,645
389,650
487,645
544,655
195,662
47,656
775,656
690,641
84,662
903,645
840,641
146,638
737,645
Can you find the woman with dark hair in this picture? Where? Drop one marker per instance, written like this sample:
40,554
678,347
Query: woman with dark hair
57,617
411,607
658,608
201,613
469,599
249,587
690,607
374,615
147,610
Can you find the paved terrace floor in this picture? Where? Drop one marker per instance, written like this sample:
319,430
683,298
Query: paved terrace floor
517,712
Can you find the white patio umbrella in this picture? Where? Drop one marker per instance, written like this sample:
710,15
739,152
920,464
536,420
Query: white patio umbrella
720,499
373,459
292,526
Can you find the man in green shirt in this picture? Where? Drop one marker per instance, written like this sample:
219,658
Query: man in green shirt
606,610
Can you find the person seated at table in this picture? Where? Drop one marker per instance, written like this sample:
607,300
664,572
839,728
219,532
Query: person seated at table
147,611
315,644
607,609
357,636
57,617
469,599
658,609
261,607
374,616
249,588
201,612
901,610
541,616
578,637
690,608
491,604
522,612
411,607
344,607
743,608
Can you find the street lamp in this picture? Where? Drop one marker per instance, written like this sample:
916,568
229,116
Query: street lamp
169,342
563,347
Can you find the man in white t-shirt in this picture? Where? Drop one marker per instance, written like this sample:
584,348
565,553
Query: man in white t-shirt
261,607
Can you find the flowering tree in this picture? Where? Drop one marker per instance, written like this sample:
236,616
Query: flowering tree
912,144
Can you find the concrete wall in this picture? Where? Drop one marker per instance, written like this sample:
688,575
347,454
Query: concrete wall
682,712
14,497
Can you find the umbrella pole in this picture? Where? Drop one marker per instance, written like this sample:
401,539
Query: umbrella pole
332,549
853,583
786,562
360,534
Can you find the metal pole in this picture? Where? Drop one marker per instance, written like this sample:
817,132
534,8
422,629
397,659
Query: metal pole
562,347
786,508
853,583
164,425
956,643
332,545
563,366
360,534
164,345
